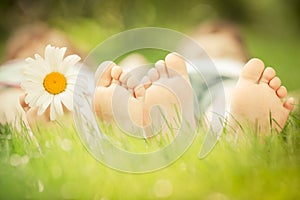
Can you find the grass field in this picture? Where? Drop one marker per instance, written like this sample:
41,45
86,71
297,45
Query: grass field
265,168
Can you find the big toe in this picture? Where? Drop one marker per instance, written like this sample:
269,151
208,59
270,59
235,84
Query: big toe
161,70
103,74
176,65
116,72
253,70
139,91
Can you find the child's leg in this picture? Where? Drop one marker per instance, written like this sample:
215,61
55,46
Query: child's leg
10,110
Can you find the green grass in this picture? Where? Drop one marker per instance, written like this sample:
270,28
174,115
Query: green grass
256,168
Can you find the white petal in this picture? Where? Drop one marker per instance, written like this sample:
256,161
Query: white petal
50,57
60,52
70,89
67,99
48,51
43,98
34,80
30,60
45,105
52,112
31,98
79,81
28,85
34,77
42,64
69,62
72,80
57,105
33,89
36,66
73,69
75,78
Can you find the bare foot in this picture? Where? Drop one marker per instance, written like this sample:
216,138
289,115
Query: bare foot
32,118
32,113
10,110
168,87
117,100
133,107
257,99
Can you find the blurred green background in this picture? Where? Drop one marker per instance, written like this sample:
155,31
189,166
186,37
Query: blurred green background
271,28
251,170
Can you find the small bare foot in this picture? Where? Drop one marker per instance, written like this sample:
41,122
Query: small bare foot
257,99
159,102
115,99
32,113
168,86
31,117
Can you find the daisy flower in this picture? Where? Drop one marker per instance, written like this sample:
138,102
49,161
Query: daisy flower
50,81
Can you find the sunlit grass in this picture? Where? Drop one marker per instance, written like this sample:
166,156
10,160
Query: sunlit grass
61,168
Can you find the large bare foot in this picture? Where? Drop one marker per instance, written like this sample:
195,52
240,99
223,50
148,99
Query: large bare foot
168,88
257,99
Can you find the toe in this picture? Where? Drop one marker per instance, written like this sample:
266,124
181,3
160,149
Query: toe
132,82
103,73
176,64
124,77
275,83
146,82
139,91
253,70
124,85
161,68
281,92
268,74
24,105
153,74
289,103
116,72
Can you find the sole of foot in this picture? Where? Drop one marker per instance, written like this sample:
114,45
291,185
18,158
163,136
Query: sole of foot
117,99
259,99
168,96
159,102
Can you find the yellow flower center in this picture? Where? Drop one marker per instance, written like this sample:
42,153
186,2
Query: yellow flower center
55,83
